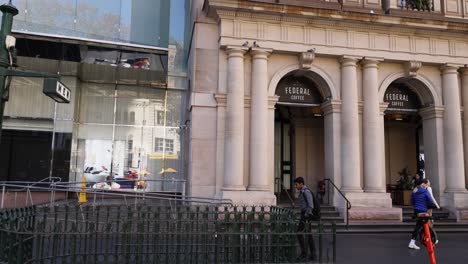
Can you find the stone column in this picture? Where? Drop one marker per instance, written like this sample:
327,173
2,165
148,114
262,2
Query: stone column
234,139
258,180
433,138
332,137
453,138
372,129
464,91
350,154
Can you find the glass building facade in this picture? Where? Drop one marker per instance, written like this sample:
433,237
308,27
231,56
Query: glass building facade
125,63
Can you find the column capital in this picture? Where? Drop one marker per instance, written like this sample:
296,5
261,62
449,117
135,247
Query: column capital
371,62
432,112
349,60
272,101
331,106
236,51
450,68
260,53
464,70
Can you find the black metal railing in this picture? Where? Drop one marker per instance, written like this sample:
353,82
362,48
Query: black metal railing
348,203
155,234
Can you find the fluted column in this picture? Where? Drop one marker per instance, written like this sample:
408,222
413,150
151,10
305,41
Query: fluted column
258,180
372,130
234,139
453,139
350,154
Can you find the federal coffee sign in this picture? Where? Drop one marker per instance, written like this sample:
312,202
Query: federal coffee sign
401,97
298,90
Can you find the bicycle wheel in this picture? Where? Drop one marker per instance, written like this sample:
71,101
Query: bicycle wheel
422,236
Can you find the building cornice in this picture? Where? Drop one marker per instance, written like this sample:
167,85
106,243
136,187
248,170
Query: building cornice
310,16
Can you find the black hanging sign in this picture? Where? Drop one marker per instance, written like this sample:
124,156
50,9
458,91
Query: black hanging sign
298,90
400,97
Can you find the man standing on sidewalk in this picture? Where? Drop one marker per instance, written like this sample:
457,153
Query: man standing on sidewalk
306,204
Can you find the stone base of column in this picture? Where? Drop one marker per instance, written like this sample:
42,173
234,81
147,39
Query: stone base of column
249,198
374,190
365,199
370,207
352,189
262,188
456,203
375,215
234,188
454,200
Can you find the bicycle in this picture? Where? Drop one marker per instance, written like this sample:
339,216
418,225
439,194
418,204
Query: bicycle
427,236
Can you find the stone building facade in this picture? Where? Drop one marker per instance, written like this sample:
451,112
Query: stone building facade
353,91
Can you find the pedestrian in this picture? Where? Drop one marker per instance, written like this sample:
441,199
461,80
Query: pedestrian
421,200
435,205
416,180
306,204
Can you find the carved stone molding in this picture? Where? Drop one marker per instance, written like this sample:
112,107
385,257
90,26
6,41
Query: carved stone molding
306,59
412,68
383,107
221,99
432,112
272,100
331,106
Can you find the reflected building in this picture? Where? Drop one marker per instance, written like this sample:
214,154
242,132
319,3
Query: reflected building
127,106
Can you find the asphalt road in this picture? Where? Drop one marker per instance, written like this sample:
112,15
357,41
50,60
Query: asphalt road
393,248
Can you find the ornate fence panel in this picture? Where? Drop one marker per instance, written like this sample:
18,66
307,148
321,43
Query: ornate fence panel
154,234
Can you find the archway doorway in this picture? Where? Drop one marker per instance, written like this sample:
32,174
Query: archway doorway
299,134
404,138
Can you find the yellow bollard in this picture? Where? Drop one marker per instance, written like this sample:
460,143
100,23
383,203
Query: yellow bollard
82,197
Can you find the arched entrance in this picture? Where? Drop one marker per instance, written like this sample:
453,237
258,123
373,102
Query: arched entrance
299,132
405,144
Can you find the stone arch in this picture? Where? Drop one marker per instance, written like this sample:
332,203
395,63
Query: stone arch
323,80
419,84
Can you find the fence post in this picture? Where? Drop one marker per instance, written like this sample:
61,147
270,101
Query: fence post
320,230
334,241
3,195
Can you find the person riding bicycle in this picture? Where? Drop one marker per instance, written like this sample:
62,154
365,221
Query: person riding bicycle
421,200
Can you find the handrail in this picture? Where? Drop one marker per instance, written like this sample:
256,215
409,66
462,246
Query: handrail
348,203
27,188
40,181
291,200
293,204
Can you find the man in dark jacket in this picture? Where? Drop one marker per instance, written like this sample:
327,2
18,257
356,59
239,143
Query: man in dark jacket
306,204
421,200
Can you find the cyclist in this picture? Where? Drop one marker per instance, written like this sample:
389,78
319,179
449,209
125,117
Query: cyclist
421,200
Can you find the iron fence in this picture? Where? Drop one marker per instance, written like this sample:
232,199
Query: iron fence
155,234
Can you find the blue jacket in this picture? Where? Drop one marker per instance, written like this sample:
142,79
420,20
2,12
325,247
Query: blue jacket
421,199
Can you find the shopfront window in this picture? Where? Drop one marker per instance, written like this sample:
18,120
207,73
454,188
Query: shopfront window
120,110
131,21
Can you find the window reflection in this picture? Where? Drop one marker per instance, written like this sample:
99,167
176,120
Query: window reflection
135,21
145,135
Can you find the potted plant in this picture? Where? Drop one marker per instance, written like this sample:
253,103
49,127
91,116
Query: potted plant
405,185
